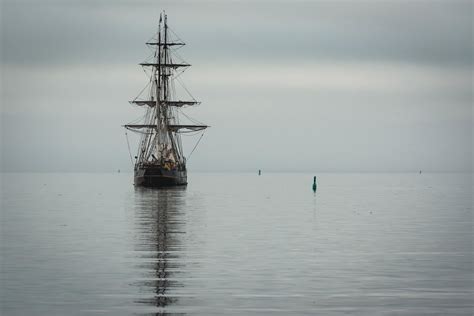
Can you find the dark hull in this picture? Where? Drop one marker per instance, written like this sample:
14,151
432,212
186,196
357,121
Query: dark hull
157,177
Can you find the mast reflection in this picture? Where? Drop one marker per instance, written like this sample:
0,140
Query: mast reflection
160,225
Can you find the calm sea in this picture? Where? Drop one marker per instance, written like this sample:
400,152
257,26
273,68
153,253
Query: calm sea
237,244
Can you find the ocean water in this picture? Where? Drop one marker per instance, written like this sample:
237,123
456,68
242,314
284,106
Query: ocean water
237,244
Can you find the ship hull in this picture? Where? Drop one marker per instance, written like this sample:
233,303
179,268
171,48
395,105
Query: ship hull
157,177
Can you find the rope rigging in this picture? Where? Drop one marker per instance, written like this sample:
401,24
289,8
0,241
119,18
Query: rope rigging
197,143
128,145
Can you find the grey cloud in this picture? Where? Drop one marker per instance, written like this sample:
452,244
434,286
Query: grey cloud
308,85
71,32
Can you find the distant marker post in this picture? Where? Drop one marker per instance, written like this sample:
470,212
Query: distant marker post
315,186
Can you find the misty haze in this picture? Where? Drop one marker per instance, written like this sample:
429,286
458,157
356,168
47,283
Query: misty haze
236,157
369,86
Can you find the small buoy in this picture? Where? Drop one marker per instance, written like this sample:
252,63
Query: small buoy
314,184
259,172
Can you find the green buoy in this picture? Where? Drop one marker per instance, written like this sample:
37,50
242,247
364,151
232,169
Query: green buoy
315,186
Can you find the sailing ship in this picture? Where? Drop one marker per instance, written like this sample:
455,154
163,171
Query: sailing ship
160,161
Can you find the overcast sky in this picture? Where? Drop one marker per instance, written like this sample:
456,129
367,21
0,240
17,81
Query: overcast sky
285,85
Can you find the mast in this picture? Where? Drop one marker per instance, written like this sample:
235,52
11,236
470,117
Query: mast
158,86
174,140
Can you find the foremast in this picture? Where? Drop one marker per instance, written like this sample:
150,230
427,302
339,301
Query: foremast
160,143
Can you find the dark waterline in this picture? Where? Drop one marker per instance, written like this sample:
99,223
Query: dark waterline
364,244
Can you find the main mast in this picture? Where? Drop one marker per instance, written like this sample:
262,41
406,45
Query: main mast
174,139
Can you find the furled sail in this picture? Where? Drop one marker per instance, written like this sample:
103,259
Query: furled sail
166,44
173,128
169,65
152,103
194,128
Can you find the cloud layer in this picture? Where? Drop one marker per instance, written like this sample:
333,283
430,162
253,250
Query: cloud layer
336,86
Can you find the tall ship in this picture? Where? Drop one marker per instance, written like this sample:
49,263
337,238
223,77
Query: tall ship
160,161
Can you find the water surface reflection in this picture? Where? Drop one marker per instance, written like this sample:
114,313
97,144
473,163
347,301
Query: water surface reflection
160,227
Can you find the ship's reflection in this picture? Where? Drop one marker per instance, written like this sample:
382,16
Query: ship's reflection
160,226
